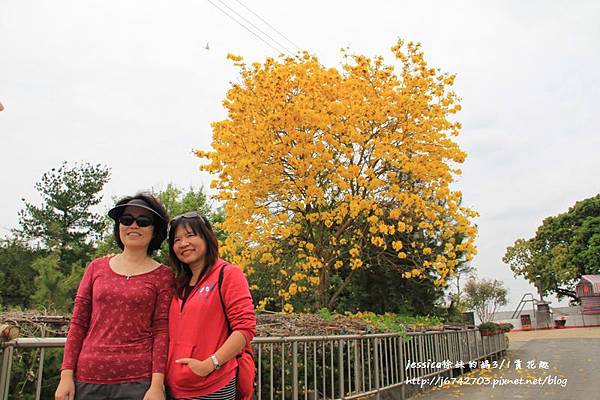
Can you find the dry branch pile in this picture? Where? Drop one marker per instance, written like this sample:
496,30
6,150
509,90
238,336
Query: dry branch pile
33,324
275,324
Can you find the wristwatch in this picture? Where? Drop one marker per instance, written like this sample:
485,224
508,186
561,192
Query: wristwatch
215,362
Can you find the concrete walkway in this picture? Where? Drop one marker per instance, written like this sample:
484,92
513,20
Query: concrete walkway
572,357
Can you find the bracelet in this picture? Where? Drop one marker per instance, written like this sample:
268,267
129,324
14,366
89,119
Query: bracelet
215,362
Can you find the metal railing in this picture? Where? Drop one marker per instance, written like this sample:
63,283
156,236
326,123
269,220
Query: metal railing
329,367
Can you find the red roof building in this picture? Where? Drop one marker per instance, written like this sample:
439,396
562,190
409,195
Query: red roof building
588,290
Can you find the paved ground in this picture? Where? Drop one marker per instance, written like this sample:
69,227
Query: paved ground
573,357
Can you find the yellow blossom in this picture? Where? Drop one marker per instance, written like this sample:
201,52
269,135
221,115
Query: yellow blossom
315,162
288,308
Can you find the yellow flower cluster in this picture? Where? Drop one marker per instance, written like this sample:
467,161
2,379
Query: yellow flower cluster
335,162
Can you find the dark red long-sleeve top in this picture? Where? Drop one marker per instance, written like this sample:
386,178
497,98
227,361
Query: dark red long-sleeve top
119,329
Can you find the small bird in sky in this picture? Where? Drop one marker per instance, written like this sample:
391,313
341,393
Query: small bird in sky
207,47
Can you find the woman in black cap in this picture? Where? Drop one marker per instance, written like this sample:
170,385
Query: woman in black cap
118,340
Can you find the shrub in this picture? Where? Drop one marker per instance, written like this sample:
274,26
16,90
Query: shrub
489,326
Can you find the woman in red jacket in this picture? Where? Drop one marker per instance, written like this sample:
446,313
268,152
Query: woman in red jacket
203,346
118,339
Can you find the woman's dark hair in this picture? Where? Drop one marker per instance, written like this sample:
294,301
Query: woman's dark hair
199,225
159,215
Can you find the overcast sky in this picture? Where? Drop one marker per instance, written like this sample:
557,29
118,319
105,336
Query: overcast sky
130,84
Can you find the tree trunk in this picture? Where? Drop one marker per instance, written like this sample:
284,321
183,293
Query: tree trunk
322,298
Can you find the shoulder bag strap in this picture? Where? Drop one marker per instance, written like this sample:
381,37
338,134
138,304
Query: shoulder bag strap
221,298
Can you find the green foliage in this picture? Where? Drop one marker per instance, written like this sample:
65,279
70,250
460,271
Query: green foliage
458,306
107,244
390,322
325,314
464,269
24,373
505,326
564,248
178,201
64,223
489,326
42,264
378,286
16,274
55,291
381,288
420,320
584,249
485,296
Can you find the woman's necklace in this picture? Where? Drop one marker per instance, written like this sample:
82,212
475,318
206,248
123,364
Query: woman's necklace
128,275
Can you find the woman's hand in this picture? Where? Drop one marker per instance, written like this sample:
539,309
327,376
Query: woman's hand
66,386
201,368
155,393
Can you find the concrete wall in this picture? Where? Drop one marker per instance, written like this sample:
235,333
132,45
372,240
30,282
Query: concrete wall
572,315
582,320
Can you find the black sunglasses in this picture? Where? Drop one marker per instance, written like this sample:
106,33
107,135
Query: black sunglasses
141,220
190,215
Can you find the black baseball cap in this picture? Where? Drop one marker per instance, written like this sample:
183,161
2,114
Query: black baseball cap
116,211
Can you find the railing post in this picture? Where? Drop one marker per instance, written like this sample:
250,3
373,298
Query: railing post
341,368
2,370
271,372
295,370
485,348
448,342
460,351
498,345
259,372
40,374
402,368
437,347
422,355
7,353
358,369
468,333
282,371
376,359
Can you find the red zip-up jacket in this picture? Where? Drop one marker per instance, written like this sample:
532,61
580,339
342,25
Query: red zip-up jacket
199,328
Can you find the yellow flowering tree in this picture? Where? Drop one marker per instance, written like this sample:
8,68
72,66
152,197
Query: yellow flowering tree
319,166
